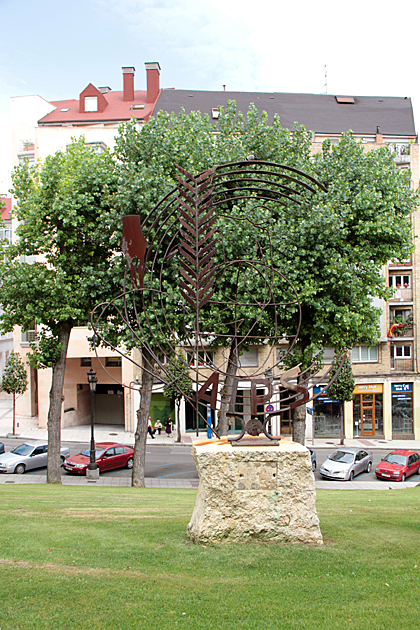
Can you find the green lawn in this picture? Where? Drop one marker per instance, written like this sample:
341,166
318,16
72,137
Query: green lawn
111,558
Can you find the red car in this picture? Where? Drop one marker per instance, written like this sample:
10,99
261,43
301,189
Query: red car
109,455
398,465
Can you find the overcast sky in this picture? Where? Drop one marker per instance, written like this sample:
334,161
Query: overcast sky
55,48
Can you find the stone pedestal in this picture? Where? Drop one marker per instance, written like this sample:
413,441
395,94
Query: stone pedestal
92,474
254,493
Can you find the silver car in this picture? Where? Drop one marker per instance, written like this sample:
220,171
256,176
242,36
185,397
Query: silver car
26,457
346,463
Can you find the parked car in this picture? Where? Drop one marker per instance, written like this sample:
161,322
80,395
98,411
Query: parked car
27,456
346,463
313,459
109,455
398,465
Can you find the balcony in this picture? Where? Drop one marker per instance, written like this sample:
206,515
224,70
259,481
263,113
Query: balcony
401,263
402,365
402,295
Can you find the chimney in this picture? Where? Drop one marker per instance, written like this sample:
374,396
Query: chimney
128,75
153,71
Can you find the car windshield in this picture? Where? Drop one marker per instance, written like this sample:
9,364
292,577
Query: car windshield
86,453
23,449
342,456
393,458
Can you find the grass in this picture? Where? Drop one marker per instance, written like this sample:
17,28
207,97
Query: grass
119,558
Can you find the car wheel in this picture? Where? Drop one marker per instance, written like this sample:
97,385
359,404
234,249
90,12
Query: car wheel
313,466
130,463
20,469
403,477
369,468
351,476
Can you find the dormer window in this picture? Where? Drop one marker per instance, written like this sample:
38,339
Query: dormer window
91,103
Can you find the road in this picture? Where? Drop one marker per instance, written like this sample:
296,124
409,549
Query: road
176,462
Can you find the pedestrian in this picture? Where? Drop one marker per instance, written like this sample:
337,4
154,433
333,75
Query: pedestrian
168,426
150,429
158,426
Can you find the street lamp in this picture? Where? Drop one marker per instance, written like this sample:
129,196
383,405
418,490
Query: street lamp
92,466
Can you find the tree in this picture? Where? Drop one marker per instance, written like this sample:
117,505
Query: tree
343,387
14,380
67,220
179,386
331,246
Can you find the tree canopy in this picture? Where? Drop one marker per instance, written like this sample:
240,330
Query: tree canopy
62,263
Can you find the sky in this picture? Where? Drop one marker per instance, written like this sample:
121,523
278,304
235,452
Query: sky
55,49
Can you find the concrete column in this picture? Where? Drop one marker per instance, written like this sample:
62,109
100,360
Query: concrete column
348,420
387,410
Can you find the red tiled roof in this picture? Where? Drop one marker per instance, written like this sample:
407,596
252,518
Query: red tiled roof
6,210
116,110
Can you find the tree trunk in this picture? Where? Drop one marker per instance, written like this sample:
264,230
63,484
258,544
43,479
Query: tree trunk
139,457
299,424
178,424
222,419
56,400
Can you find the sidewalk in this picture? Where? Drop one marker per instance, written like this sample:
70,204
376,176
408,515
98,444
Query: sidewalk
27,429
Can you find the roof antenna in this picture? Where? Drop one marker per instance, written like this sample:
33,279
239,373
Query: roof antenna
325,84
224,88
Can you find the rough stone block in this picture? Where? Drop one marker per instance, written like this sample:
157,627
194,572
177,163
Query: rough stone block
254,493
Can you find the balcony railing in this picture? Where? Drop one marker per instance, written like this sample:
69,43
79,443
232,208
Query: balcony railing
402,295
402,365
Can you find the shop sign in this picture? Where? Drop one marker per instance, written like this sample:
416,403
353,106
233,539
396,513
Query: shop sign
324,397
369,388
402,387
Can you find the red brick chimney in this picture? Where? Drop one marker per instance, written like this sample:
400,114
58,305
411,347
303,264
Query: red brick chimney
153,72
128,75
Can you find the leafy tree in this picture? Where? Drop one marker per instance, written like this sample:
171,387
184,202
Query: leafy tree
179,385
343,387
14,380
67,220
331,247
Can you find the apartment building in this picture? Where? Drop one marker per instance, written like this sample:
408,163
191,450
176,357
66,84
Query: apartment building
387,396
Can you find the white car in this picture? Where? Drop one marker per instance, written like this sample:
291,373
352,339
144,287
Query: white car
26,457
346,463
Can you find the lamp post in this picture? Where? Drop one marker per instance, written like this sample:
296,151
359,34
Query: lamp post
92,469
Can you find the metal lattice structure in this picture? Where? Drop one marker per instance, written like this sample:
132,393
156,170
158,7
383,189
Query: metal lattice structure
221,298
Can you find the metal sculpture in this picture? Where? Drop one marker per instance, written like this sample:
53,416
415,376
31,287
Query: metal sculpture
183,236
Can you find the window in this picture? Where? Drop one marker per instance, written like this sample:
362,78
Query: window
205,357
249,358
364,354
28,336
85,362
402,352
328,355
91,103
6,234
112,361
400,281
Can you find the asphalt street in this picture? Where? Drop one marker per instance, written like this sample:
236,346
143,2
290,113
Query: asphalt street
176,462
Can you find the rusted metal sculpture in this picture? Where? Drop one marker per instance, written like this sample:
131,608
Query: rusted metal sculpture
182,234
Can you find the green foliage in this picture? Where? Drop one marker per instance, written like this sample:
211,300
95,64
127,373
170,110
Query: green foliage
331,247
14,380
179,383
343,387
68,221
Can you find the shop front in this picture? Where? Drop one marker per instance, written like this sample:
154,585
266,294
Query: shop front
402,410
368,410
326,415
